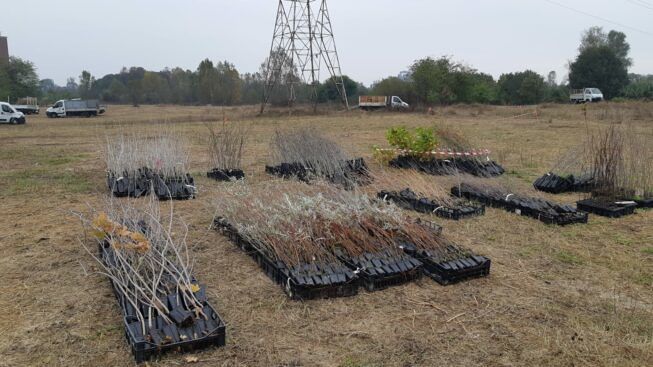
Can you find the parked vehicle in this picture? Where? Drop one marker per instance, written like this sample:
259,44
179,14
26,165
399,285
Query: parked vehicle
75,107
585,95
379,102
9,115
28,106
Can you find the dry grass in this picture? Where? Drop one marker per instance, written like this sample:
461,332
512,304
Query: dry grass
578,295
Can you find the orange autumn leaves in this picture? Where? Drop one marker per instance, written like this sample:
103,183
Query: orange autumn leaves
120,237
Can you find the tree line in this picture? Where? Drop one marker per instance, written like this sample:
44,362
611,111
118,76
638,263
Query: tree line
602,62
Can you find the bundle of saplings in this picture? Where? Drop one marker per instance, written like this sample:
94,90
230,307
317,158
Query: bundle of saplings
308,155
444,153
146,258
137,165
226,143
500,197
168,158
415,191
321,228
622,167
569,174
127,171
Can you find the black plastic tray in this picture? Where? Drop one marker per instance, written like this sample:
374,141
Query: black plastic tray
446,167
188,333
381,270
447,272
606,208
174,188
136,184
542,210
302,282
405,200
353,172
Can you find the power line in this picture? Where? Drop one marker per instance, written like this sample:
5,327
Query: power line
642,4
598,17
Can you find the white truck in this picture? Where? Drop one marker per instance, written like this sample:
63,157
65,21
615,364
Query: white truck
585,95
9,115
75,107
378,102
28,106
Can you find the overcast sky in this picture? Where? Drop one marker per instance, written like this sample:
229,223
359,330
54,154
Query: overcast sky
375,38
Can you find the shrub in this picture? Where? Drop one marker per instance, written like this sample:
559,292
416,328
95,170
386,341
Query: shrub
421,141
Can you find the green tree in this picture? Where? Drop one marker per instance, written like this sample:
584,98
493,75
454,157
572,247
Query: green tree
328,91
433,80
86,83
116,92
207,82
523,88
595,37
617,42
154,88
599,67
229,84
18,79
640,87
394,86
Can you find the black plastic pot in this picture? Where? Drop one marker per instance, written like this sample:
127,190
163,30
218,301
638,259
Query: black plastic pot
226,174
607,208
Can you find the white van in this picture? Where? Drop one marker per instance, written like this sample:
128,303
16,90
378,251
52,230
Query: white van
9,115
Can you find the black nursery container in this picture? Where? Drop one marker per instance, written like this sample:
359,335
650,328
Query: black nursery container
384,269
135,184
188,331
607,208
449,271
226,174
301,282
407,199
174,188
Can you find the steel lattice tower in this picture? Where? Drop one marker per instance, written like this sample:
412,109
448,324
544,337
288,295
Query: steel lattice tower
303,41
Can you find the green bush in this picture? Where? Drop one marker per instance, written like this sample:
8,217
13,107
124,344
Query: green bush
399,138
421,140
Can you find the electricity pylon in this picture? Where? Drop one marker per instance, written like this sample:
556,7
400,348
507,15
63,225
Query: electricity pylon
301,44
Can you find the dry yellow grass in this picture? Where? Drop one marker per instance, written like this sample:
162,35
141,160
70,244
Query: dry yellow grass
579,295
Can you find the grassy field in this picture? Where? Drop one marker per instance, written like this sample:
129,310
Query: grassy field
572,296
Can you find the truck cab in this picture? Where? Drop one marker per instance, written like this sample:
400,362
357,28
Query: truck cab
9,115
57,110
397,104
